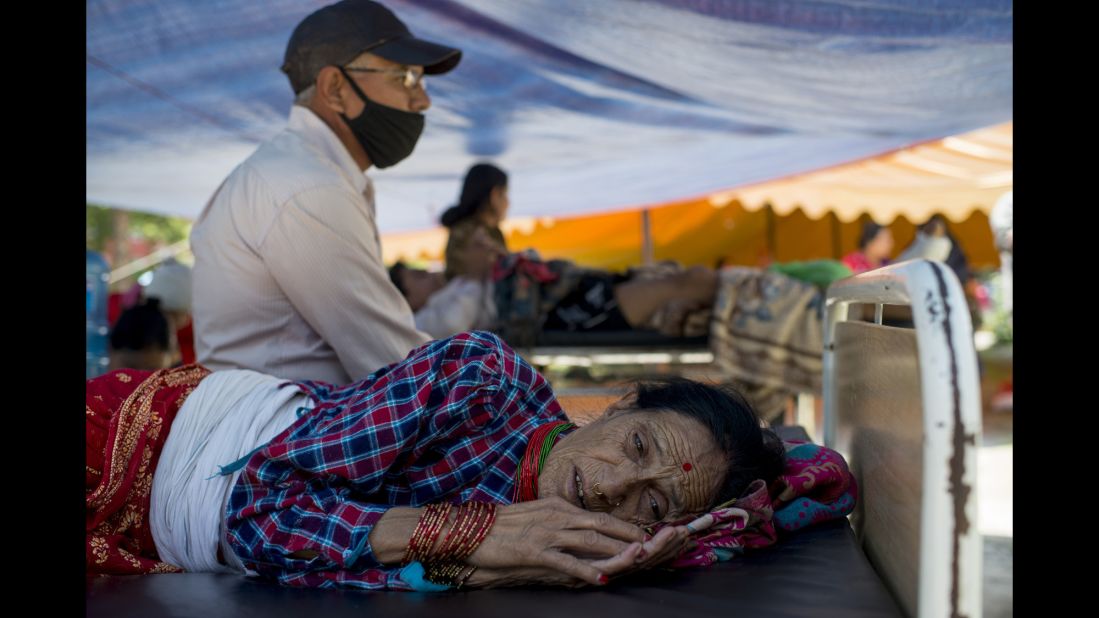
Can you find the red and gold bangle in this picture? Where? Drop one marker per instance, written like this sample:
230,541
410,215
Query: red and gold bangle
484,516
456,534
469,531
446,546
416,539
462,535
432,528
482,532
427,531
436,530
471,526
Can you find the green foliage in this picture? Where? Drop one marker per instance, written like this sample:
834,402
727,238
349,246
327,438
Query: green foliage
998,319
165,230
157,230
99,227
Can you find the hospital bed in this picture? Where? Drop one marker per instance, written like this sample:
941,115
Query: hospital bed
900,404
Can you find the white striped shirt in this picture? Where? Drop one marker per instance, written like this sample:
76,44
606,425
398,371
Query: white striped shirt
288,276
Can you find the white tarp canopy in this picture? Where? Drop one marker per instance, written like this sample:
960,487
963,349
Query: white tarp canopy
590,105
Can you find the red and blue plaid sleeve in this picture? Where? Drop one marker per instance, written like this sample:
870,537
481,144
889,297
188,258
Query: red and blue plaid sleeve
447,423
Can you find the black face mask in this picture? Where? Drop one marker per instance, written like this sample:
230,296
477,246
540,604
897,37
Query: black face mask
388,135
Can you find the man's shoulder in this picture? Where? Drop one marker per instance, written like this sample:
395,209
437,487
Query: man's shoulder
282,171
288,165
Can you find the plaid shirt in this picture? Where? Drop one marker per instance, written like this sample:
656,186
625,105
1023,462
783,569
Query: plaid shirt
449,423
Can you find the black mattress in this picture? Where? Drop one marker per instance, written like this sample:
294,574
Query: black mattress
817,572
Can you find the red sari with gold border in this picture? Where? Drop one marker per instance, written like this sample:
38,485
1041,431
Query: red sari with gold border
127,416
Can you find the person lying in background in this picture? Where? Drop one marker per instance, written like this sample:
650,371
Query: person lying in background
557,295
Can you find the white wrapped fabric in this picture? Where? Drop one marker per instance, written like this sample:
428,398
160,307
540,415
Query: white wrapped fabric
462,304
229,415
925,246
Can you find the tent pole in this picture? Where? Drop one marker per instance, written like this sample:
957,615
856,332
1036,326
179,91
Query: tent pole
836,249
772,242
150,260
646,238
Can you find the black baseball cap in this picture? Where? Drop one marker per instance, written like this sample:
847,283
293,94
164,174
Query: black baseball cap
338,33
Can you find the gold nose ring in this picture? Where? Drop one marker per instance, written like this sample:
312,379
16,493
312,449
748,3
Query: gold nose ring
595,490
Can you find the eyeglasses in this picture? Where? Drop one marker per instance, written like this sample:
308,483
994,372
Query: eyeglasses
409,78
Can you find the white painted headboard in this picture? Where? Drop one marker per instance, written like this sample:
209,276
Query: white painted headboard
903,406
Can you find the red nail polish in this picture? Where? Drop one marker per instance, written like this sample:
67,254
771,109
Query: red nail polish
603,580
648,538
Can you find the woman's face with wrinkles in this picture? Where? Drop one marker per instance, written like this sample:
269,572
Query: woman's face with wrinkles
631,465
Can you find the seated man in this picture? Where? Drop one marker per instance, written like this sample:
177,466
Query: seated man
456,466
571,299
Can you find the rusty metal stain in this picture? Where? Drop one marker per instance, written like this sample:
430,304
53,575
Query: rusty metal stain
960,438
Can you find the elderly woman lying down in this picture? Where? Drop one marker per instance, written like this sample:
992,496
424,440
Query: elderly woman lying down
455,467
